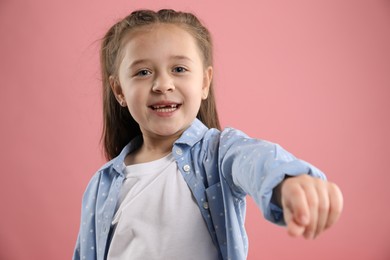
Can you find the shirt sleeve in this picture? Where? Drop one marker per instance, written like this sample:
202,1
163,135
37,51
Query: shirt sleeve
76,253
256,167
86,238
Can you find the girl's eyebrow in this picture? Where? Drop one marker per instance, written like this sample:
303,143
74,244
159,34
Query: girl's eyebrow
175,57
136,62
182,57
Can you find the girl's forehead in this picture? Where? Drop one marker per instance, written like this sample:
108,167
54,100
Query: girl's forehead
157,38
158,29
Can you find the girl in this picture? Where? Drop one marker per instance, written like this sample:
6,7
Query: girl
175,185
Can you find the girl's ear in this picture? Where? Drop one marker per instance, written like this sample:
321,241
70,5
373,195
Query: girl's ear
208,76
117,90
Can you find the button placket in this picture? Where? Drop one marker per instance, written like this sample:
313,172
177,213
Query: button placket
179,151
187,168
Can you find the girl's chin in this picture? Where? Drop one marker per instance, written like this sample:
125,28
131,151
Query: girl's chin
167,131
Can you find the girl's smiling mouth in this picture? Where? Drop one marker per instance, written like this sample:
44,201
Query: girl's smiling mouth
165,108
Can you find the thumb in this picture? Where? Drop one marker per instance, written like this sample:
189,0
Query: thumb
294,228
296,210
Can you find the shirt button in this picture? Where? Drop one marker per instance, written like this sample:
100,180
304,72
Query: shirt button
205,205
186,168
179,151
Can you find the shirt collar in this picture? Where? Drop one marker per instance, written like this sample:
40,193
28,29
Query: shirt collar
118,162
191,136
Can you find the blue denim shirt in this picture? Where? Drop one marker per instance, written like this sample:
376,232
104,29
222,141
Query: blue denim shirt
220,168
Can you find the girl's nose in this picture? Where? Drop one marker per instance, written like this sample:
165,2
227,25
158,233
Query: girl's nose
163,84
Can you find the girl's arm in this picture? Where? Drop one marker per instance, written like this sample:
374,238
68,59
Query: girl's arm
287,190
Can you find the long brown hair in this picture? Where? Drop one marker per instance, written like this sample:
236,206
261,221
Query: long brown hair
119,127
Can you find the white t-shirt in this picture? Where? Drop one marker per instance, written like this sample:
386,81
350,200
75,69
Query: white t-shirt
158,217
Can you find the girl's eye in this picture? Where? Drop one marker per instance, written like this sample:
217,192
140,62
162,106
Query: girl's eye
179,69
143,73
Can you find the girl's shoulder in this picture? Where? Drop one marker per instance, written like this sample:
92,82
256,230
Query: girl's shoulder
226,136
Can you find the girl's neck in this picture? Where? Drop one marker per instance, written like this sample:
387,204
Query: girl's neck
150,150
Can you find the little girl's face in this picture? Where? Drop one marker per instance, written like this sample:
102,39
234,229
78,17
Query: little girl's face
162,79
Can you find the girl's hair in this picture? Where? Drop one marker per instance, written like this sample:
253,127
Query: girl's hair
119,127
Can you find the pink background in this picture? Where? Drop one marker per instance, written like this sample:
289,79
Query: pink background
313,76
